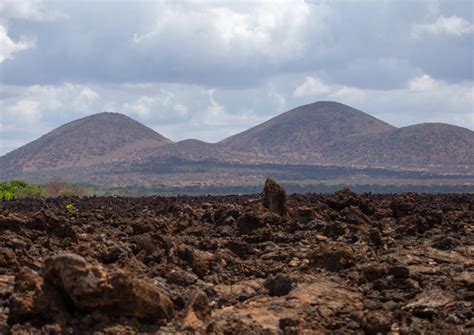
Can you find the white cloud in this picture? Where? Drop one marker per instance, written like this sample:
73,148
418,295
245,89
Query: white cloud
279,100
423,99
348,93
27,10
215,111
422,83
162,105
55,101
268,29
312,86
180,109
452,25
141,108
8,47
85,100
23,111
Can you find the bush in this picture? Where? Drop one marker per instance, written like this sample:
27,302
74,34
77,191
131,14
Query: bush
20,189
59,188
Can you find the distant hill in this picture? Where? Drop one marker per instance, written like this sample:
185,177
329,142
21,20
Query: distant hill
116,148
305,131
426,144
97,139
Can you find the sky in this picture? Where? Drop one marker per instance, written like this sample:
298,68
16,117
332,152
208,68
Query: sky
208,70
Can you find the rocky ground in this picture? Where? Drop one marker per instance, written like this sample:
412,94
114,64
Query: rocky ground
256,264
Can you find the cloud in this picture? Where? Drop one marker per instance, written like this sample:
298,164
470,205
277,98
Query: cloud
162,105
452,25
311,86
24,110
27,10
269,30
210,69
230,44
8,47
422,83
422,99
85,99
181,111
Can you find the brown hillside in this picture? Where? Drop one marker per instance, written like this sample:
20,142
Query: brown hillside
97,139
420,145
306,130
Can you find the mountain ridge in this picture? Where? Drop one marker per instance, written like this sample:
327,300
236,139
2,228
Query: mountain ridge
321,133
84,142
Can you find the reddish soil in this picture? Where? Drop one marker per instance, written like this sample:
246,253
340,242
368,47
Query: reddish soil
256,264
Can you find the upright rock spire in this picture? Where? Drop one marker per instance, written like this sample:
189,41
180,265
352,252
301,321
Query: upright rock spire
274,197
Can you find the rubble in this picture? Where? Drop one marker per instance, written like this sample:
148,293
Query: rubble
299,264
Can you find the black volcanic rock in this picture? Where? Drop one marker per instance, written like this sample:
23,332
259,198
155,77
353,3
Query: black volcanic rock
274,197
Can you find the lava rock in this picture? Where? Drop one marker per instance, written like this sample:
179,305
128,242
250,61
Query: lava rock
375,237
8,260
198,310
33,298
333,257
248,222
87,287
181,278
403,206
274,197
278,285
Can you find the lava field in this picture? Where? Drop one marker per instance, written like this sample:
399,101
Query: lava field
255,264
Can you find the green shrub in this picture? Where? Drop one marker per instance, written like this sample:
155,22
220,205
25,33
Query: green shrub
20,189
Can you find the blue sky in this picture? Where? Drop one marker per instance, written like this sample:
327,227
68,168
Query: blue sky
207,70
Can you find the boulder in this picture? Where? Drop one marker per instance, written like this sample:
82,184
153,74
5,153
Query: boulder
69,280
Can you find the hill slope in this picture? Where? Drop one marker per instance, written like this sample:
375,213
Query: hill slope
305,130
417,145
97,139
323,133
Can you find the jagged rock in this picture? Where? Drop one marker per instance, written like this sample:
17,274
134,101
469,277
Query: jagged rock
345,198
444,243
274,197
375,322
12,222
197,311
8,260
411,273
375,237
238,292
333,256
32,298
278,285
68,279
354,215
181,278
403,206
249,221
93,286
427,303
6,285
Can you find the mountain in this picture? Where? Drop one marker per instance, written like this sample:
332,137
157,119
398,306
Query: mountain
305,131
97,139
306,144
426,144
